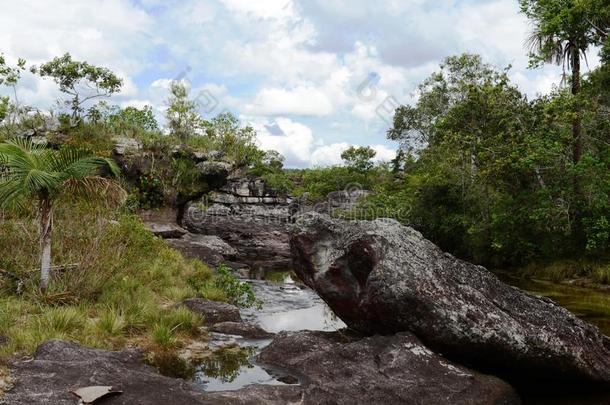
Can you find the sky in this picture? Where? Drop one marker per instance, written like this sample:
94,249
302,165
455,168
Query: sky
311,76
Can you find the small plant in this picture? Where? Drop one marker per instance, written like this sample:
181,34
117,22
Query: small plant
63,319
240,293
182,318
112,322
163,335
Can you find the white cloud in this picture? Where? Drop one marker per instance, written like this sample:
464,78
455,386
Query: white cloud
328,155
298,101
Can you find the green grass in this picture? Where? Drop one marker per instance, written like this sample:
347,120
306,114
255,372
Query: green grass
123,289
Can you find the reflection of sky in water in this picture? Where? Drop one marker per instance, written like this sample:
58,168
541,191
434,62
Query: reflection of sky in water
246,376
286,307
318,317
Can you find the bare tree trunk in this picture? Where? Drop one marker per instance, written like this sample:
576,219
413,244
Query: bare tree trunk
46,229
576,123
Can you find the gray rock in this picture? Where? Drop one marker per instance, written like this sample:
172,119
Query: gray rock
209,249
124,146
165,230
258,395
241,329
396,369
60,367
382,277
215,169
257,232
213,312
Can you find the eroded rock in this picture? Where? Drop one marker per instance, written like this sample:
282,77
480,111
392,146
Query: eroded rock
382,277
250,217
213,312
396,369
60,367
242,329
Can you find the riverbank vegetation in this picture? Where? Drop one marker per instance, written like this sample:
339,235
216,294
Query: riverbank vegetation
485,172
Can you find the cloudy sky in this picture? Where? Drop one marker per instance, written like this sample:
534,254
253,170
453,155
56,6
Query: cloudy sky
311,76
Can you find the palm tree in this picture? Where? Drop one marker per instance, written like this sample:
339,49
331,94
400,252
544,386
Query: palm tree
566,52
31,172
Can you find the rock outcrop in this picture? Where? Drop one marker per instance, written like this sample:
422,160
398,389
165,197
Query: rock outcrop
396,369
60,367
209,249
382,277
250,217
213,312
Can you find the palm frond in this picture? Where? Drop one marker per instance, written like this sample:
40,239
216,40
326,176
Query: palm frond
12,196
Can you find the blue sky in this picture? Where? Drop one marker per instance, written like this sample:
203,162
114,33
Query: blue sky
311,76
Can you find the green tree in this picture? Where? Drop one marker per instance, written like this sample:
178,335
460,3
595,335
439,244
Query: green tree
562,34
34,173
80,80
183,119
359,158
143,118
237,142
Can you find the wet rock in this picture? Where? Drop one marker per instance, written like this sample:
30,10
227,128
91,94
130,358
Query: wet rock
257,395
213,312
382,277
60,367
396,369
241,329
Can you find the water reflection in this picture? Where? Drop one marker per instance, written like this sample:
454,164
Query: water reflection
286,307
588,304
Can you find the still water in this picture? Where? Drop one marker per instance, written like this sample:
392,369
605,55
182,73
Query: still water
286,307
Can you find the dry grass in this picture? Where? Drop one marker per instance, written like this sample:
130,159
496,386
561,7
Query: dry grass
122,291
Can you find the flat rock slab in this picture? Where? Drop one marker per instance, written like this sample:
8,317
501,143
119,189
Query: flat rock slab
383,370
382,277
165,230
213,312
60,367
241,329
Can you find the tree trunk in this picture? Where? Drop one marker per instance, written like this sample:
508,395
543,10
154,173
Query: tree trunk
576,124
46,229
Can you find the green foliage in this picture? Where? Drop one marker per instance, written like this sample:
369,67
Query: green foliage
488,181
73,76
129,121
183,119
4,106
224,287
163,335
122,291
150,192
359,158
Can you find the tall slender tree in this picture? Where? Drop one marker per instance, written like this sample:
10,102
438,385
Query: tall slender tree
34,173
562,33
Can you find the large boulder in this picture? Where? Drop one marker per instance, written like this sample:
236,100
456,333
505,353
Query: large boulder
382,277
395,369
61,367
